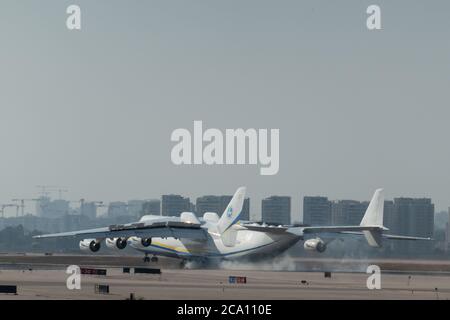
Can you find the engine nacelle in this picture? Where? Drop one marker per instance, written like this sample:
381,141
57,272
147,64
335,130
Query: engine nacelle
137,242
116,243
316,244
90,245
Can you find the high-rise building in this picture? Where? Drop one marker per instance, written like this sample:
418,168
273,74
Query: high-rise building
88,209
389,220
208,204
447,232
316,211
174,205
71,222
276,210
192,207
414,217
245,213
135,207
218,205
151,207
117,209
348,212
41,204
47,208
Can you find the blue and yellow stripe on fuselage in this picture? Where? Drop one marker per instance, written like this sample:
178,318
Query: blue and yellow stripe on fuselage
177,252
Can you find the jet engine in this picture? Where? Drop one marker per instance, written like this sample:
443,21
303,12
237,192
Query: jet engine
316,244
137,242
90,244
116,243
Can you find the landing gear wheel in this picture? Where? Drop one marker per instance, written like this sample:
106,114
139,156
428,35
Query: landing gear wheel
146,259
183,264
154,259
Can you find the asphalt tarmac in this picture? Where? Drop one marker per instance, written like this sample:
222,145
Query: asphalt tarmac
45,277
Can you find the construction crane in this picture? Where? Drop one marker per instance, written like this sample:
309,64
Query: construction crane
83,201
60,191
22,204
45,190
97,204
3,206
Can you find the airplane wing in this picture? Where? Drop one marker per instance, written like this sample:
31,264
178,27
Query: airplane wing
387,236
339,229
397,237
359,230
351,230
309,230
268,229
165,229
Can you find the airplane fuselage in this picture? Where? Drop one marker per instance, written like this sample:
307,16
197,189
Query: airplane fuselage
248,244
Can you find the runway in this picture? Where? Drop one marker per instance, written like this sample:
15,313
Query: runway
48,281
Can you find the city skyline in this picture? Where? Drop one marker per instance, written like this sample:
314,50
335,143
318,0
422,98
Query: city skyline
402,216
295,217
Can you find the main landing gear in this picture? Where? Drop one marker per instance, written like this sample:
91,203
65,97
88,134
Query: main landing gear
147,259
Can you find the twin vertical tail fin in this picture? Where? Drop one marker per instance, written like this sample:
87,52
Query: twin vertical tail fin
374,218
374,212
232,213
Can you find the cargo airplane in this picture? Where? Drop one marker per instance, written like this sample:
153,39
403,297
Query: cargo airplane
213,238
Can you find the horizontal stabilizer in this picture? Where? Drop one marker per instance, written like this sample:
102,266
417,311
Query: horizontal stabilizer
332,229
398,237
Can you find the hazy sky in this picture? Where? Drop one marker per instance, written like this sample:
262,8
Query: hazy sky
93,110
